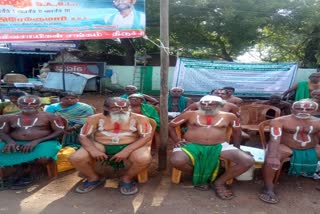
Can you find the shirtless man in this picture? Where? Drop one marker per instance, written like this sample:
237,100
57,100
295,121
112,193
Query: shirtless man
295,135
131,89
228,107
177,102
231,98
205,141
137,106
29,135
304,89
315,95
114,136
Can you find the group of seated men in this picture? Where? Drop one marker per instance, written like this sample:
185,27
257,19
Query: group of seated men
123,132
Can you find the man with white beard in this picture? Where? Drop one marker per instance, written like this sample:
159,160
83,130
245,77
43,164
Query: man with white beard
113,136
295,136
204,142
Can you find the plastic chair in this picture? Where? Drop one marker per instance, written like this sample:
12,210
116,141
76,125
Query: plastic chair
262,130
176,173
253,114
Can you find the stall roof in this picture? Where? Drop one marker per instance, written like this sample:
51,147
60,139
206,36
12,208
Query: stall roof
27,52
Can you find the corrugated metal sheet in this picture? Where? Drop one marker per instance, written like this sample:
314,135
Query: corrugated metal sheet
73,82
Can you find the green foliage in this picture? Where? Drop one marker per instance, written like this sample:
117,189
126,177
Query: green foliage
282,30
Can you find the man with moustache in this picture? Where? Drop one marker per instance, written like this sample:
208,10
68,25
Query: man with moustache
205,141
128,17
294,136
28,136
227,107
230,96
113,136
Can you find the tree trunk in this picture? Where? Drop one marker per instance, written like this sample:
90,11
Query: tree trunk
127,45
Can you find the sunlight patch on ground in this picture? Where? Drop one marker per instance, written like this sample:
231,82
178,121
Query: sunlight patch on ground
137,201
52,192
161,192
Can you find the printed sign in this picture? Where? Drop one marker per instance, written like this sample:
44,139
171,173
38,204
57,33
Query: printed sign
44,20
250,80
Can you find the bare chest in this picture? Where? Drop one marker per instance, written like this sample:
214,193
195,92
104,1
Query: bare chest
27,122
208,121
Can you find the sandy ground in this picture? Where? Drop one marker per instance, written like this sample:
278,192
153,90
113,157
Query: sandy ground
158,195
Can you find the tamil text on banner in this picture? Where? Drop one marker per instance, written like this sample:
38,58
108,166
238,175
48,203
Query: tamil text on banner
250,80
43,20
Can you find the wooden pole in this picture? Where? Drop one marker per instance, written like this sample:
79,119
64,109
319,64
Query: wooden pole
63,71
164,38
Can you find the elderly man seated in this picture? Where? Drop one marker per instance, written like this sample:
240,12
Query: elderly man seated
131,89
295,136
177,102
114,136
75,112
29,135
137,106
231,98
227,107
205,141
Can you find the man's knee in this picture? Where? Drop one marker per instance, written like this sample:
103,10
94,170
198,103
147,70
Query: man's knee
141,156
178,159
79,156
247,161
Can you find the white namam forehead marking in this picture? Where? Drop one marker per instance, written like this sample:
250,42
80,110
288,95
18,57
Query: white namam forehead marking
305,105
120,104
209,99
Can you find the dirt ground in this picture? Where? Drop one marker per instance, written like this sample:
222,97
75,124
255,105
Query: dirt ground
158,195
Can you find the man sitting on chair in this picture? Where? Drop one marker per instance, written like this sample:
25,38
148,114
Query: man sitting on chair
205,141
294,136
114,136
29,135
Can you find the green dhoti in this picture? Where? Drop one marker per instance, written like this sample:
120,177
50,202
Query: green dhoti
46,149
205,160
303,162
112,150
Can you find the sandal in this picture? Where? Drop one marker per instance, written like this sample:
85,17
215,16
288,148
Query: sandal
128,188
22,183
204,187
223,192
88,186
269,197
